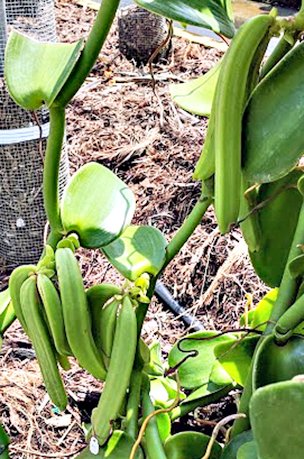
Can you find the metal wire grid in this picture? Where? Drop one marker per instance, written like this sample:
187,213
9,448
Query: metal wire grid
22,217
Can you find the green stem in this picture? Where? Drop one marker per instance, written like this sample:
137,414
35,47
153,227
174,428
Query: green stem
7,317
153,443
187,407
289,285
143,307
187,228
242,424
4,442
279,51
90,51
290,320
133,403
177,242
53,239
51,169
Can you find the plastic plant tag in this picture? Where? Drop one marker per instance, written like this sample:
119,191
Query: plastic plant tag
190,445
119,446
94,446
96,205
35,72
138,250
196,96
210,14
277,419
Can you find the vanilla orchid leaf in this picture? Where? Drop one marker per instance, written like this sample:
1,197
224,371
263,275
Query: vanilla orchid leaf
201,367
196,95
210,14
139,249
190,445
96,205
35,72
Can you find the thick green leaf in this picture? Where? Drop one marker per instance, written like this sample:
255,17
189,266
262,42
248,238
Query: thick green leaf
231,449
272,142
280,204
277,419
7,317
96,205
155,367
4,439
210,14
257,317
236,357
202,392
248,451
196,370
274,363
35,72
118,447
203,396
163,391
7,312
196,96
164,426
296,266
5,299
190,445
138,250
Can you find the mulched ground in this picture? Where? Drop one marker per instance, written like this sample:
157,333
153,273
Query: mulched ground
151,144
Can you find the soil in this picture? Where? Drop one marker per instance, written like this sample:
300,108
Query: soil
118,120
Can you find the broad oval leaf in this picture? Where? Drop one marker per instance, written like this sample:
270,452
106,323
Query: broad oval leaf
248,451
274,363
203,396
190,445
196,96
96,205
272,141
231,449
35,72
5,299
210,14
296,266
277,419
164,426
279,204
138,250
204,392
163,391
4,439
155,367
236,357
201,363
118,447
7,312
257,318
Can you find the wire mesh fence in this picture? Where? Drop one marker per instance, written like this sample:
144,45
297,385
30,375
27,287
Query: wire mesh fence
23,138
